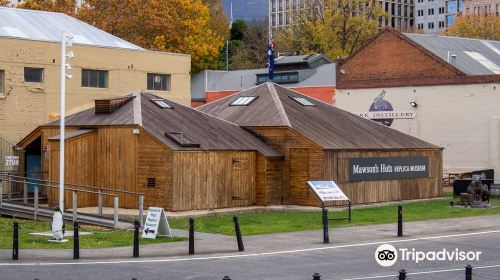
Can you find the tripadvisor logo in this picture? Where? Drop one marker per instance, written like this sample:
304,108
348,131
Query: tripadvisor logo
387,255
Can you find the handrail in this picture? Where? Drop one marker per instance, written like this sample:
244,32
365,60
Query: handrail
74,185
66,189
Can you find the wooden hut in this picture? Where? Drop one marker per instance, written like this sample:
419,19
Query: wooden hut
180,158
369,161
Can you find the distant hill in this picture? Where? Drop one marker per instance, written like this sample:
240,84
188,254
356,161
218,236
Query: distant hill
247,9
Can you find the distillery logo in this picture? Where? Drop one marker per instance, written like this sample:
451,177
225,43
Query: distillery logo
387,255
381,105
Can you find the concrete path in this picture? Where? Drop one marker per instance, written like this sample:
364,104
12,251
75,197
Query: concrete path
216,245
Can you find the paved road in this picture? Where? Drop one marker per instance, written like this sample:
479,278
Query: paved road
347,261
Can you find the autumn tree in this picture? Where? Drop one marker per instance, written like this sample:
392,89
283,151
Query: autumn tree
333,27
61,6
4,3
195,27
476,26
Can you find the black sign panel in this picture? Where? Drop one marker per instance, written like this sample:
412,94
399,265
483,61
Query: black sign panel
387,168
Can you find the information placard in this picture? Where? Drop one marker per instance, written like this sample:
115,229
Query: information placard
327,191
156,224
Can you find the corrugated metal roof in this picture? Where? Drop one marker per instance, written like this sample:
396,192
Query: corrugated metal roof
48,26
323,124
323,75
209,132
462,48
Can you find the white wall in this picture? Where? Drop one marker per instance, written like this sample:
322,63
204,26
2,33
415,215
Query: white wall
463,119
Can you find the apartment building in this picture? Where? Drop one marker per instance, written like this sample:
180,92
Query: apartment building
482,7
431,16
103,66
401,13
454,9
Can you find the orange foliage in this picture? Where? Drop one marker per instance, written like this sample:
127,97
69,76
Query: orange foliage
180,26
475,26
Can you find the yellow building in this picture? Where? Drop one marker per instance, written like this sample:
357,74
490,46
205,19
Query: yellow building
103,66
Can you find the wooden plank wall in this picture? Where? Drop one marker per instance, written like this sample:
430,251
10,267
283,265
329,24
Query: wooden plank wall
269,180
337,169
213,179
114,164
80,162
285,140
154,160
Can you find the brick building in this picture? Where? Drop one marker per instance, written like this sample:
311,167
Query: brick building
103,66
444,90
482,7
312,75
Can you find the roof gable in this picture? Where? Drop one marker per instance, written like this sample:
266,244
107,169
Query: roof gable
323,124
390,54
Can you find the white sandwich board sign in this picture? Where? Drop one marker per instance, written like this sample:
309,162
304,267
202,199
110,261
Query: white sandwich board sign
156,224
327,191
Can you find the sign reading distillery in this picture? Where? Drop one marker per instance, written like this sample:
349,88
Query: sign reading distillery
387,168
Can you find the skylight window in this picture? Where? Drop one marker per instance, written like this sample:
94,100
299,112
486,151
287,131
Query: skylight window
161,103
302,101
243,100
182,140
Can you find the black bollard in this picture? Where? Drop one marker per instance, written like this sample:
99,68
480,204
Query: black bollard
402,274
226,278
468,272
400,220
15,242
316,276
76,241
135,253
241,248
326,236
191,236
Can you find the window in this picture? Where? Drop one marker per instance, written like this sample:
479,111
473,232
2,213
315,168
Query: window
159,82
430,12
302,101
182,140
94,78
33,75
420,13
2,81
430,25
243,100
152,182
161,103
441,10
441,24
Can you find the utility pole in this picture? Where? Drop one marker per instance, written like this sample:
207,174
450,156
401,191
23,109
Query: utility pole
65,42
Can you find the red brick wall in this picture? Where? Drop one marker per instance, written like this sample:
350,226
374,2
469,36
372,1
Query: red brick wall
195,104
325,94
216,95
389,56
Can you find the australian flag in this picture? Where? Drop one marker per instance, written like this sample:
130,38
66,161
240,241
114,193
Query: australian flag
270,55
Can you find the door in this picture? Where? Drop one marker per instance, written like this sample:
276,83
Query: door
299,175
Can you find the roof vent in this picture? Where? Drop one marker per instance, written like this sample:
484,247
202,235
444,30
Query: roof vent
454,59
161,103
109,105
302,101
243,100
182,140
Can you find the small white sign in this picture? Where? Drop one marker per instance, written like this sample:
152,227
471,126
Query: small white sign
11,160
156,224
377,115
327,191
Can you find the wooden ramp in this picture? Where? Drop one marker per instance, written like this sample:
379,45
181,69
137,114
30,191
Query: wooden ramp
20,210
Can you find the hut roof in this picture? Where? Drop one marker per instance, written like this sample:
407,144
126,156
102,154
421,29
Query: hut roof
327,126
177,126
